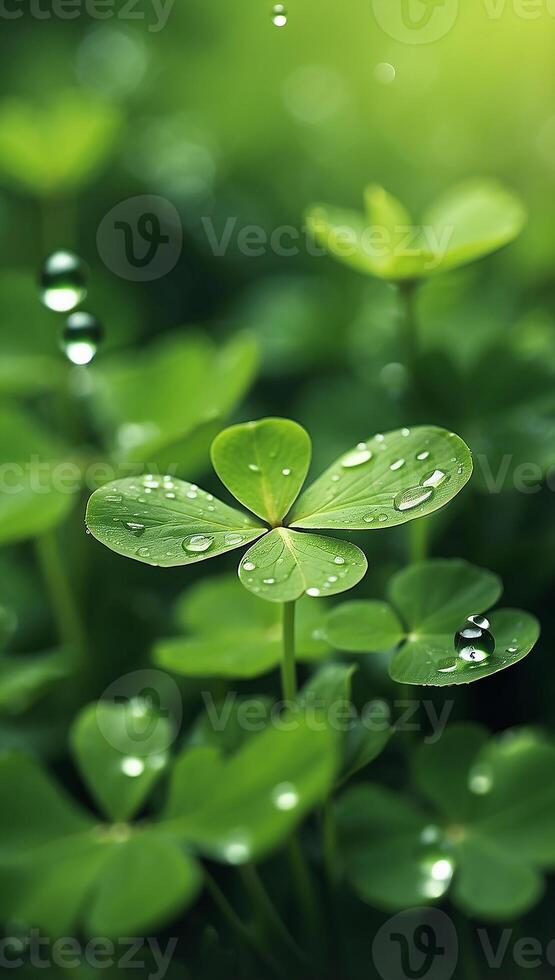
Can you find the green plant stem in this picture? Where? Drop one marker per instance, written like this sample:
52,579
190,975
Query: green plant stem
329,836
269,919
418,539
64,607
244,935
288,668
409,326
306,896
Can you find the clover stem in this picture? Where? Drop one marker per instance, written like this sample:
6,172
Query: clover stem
329,835
64,607
418,538
245,936
288,669
409,325
306,895
268,916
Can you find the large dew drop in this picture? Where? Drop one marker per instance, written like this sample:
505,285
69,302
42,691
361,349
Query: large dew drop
63,281
413,497
198,543
357,456
279,15
474,643
81,337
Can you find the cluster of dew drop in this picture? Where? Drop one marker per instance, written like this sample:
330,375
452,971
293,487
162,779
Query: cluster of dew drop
164,485
63,286
407,499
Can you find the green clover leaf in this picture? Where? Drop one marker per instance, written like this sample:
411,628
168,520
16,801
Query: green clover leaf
385,481
243,640
60,868
484,842
430,602
470,221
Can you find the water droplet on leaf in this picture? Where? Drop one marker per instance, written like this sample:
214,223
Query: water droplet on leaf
249,566
397,464
198,543
285,796
474,643
411,498
136,529
434,479
356,457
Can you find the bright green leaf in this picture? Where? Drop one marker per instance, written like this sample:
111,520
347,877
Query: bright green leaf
382,482
194,774
146,881
167,522
140,406
436,596
121,752
59,146
37,491
227,724
285,564
243,640
432,658
474,218
264,464
263,793
363,626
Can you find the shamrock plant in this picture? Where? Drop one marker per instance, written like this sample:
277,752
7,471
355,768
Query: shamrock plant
385,481
470,221
474,834
429,602
63,866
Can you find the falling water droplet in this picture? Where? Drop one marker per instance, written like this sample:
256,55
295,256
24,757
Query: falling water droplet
136,529
63,281
279,15
80,338
198,543
413,497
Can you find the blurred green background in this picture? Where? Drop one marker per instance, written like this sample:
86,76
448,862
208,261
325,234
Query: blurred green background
229,117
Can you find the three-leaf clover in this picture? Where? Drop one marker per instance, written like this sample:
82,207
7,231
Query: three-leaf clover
429,602
382,482
484,833
60,867
471,220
